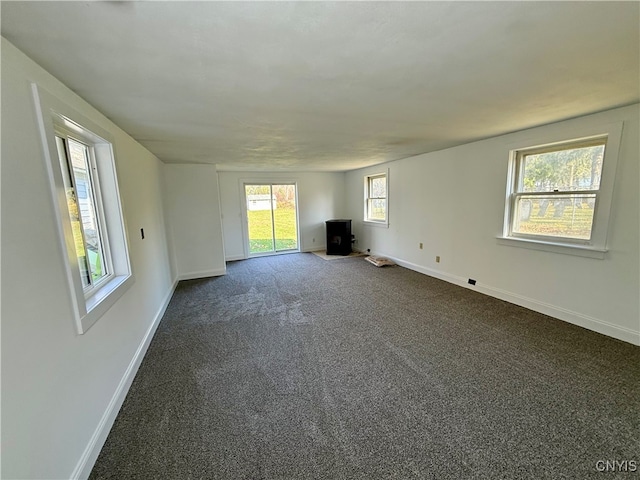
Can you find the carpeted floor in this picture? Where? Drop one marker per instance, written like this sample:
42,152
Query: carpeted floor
292,367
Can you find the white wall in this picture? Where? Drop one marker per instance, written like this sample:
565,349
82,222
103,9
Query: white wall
61,390
193,217
453,202
320,198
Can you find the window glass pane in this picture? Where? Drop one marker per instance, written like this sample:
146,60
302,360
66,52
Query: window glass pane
284,215
378,209
378,187
79,155
569,216
260,201
74,215
564,170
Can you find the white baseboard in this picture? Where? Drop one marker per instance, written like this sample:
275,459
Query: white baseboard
203,274
314,248
576,318
91,452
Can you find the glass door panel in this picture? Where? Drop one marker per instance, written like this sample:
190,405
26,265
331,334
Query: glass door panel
285,227
271,218
259,218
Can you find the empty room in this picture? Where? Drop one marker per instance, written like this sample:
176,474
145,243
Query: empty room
320,240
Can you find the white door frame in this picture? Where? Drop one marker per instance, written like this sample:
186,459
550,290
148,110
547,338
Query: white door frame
245,219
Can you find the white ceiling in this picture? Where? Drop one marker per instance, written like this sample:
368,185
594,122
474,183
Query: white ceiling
331,86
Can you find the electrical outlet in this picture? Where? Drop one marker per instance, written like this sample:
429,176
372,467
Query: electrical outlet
437,258
420,245
314,240
472,281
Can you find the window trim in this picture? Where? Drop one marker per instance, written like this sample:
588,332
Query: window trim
596,246
367,180
54,115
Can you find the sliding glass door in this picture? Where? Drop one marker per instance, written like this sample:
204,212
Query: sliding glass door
271,218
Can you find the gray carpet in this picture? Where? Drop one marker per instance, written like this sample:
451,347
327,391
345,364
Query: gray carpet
292,367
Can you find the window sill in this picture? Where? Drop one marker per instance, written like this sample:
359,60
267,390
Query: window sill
98,304
577,250
373,223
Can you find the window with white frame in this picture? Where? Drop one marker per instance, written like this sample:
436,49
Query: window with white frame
85,208
376,205
81,166
560,193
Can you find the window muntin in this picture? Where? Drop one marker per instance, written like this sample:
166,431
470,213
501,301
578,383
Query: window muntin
556,191
376,198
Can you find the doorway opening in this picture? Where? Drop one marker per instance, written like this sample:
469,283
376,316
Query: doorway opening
272,218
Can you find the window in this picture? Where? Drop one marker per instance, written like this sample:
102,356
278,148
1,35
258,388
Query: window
84,204
560,194
376,206
556,191
81,167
